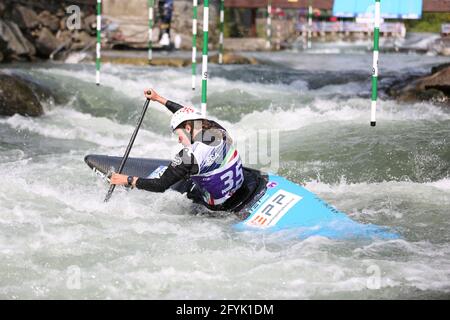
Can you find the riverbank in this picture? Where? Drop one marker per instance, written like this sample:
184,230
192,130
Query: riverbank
44,30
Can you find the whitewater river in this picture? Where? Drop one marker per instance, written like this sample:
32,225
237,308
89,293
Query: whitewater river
59,240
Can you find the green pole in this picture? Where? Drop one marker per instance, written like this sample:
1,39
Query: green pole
269,25
205,55
376,40
99,41
222,19
151,4
194,41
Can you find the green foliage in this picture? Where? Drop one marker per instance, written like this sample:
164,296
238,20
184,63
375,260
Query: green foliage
430,22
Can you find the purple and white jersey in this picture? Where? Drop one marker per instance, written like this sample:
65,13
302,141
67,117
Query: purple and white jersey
220,171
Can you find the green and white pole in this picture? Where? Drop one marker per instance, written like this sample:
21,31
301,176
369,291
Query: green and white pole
205,55
99,42
376,40
269,25
310,13
151,4
222,23
194,41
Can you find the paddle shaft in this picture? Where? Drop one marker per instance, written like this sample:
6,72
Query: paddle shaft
127,151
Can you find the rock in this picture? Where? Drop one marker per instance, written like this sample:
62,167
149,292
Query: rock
435,87
438,81
245,44
2,9
62,23
46,42
231,58
64,36
12,41
17,97
81,39
1,56
60,13
445,52
433,95
25,17
90,24
156,61
48,20
440,67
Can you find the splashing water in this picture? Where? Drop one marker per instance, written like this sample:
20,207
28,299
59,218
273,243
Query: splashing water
59,240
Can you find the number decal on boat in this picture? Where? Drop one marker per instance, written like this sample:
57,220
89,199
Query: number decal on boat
273,209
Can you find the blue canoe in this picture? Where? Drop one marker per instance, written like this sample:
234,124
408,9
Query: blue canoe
274,203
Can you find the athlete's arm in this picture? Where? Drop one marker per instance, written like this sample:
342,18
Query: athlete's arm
181,168
168,178
154,96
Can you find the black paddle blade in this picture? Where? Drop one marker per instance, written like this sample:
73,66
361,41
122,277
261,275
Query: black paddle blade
110,192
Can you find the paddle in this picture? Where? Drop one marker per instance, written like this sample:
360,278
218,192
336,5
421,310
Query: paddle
130,145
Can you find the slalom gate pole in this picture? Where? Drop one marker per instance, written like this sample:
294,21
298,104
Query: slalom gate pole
278,45
194,41
150,4
205,55
310,14
222,22
99,42
269,25
376,40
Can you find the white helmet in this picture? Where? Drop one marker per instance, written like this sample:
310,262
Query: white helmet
185,114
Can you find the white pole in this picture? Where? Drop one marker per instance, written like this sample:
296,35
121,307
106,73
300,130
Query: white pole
205,55
99,41
150,30
194,42
222,22
376,39
269,25
310,12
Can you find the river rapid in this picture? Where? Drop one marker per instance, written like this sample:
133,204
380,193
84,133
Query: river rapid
59,240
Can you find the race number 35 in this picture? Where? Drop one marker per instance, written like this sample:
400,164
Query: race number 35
232,179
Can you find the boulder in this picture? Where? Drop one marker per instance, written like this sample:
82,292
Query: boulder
445,52
62,24
49,20
17,97
434,87
2,9
12,41
60,13
81,39
46,42
25,17
90,24
440,67
231,58
156,61
440,80
64,36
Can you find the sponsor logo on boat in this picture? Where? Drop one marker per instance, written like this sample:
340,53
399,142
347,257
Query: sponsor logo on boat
273,209
271,184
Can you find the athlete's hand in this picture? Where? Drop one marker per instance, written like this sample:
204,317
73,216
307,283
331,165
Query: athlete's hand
119,179
154,96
